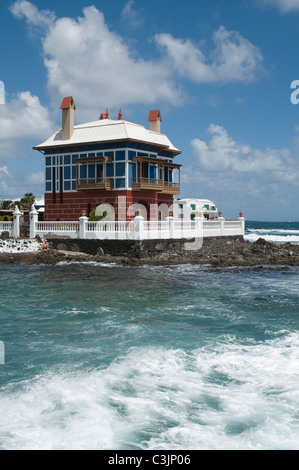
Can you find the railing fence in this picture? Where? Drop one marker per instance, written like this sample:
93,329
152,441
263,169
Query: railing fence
137,229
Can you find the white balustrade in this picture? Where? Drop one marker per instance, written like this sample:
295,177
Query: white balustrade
7,227
140,229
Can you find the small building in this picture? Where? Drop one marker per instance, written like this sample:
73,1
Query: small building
194,206
108,161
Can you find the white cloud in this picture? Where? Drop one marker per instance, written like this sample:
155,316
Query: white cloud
234,59
4,170
262,183
234,160
15,184
24,9
87,60
5,181
21,119
133,18
284,6
36,179
2,92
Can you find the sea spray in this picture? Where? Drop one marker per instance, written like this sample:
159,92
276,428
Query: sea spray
149,357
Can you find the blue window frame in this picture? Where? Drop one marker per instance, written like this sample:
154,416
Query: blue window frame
120,155
48,174
67,160
120,169
83,171
91,171
120,183
152,171
48,187
109,169
67,185
48,161
67,172
74,172
131,154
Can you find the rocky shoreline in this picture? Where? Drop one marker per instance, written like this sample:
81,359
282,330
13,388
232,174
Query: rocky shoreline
220,252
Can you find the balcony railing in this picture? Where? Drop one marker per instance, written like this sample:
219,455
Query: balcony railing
171,187
155,185
90,184
147,183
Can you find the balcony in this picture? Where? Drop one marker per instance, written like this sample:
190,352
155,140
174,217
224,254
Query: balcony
162,168
91,184
139,184
171,187
151,184
99,168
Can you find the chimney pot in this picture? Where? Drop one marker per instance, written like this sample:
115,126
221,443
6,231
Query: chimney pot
68,107
155,121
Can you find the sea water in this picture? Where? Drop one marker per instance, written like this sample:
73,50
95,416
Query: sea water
274,232
101,356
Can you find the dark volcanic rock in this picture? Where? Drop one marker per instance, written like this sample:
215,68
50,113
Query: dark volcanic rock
218,252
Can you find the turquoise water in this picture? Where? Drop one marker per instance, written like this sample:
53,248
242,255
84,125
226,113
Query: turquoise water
186,357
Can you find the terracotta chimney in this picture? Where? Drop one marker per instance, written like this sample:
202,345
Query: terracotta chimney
155,121
68,107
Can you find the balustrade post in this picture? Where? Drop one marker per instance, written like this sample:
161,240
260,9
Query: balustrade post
82,227
221,220
33,221
242,223
16,222
139,228
170,220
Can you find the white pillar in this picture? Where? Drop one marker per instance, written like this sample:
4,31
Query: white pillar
16,222
139,227
221,220
170,220
242,223
33,221
82,227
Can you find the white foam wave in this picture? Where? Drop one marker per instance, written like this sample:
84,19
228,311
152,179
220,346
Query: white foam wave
87,263
252,237
265,231
223,396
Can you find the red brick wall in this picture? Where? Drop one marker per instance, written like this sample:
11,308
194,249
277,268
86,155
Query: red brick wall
69,206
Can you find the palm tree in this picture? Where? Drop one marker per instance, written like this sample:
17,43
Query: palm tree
5,205
27,201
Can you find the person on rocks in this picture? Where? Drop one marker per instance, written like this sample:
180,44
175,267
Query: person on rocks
45,245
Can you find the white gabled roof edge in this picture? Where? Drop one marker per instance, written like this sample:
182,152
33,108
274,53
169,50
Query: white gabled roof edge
109,130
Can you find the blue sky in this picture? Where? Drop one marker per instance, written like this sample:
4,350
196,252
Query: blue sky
219,71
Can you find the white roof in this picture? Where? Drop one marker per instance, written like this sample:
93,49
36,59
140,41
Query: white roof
190,200
109,130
